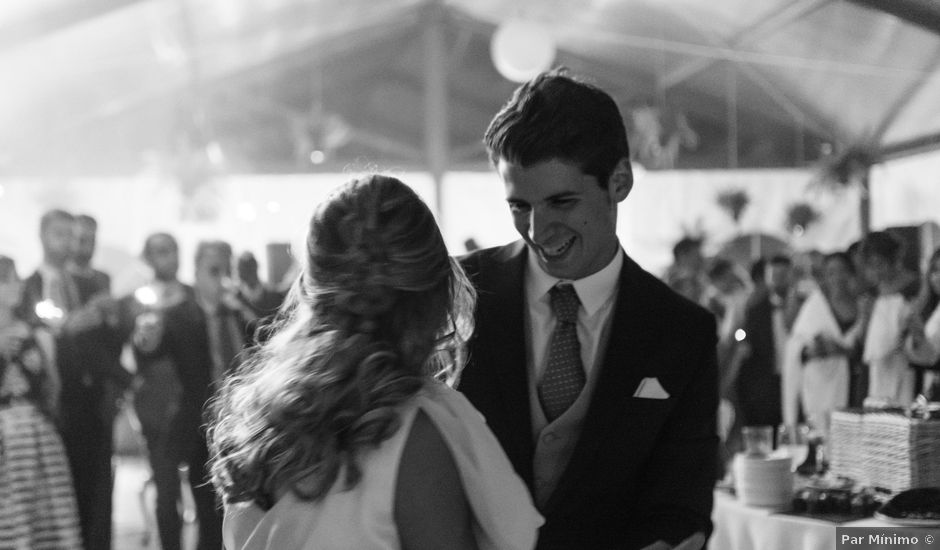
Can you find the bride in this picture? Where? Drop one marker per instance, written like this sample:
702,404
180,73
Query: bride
342,430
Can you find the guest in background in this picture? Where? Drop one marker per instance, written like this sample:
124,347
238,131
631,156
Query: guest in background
340,432
202,337
52,283
686,275
758,277
758,381
37,501
599,381
727,298
78,312
826,339
83,246
158,391
867,292
100,348
890,376
806,278
263,300
686,284
923,332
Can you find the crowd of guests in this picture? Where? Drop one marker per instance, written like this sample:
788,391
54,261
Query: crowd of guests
62,381
804,334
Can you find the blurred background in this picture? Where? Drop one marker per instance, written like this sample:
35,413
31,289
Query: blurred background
808,121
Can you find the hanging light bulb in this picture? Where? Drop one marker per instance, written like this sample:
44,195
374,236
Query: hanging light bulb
521,49
317,156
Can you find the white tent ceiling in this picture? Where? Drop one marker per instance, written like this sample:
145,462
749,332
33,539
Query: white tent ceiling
116,86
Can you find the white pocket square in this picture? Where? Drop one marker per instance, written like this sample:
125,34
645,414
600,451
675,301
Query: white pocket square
650,388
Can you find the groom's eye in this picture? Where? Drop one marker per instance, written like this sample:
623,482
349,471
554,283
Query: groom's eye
518,207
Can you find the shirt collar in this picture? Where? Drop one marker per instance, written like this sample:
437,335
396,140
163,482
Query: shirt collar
49,271
81,270
593,291
209,308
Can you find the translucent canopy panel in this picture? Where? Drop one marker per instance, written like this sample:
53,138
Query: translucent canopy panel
125,86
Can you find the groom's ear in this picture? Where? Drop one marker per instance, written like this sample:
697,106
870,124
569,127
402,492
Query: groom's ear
621,180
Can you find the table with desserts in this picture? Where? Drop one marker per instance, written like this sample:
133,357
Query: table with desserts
741,527
880,468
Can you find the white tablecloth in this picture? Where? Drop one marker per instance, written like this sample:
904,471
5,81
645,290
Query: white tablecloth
740,527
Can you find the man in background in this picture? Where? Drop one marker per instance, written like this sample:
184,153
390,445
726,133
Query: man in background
686,275
72,299
157,393
761,353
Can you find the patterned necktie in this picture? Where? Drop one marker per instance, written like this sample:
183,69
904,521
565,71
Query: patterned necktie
564,376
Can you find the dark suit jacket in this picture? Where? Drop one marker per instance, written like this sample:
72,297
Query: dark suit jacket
104,343
186,342
758,384
89,360
643,469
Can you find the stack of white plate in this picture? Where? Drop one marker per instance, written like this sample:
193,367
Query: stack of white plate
764,481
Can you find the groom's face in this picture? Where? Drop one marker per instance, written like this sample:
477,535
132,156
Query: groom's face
565,216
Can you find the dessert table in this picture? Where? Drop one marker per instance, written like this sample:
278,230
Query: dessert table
740,527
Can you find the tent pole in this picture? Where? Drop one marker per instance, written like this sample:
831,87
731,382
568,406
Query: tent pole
864,202
732,90
435,91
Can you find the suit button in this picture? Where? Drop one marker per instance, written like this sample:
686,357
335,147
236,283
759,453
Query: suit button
550,437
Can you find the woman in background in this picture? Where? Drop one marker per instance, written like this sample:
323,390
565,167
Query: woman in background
923,337
340,432
825,339
890,377
37,500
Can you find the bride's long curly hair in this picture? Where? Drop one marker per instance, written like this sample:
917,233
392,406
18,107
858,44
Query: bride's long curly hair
379,310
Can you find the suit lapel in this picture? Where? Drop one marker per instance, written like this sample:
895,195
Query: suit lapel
622,370
32,294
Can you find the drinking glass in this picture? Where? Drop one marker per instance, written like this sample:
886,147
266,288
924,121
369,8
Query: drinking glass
758,440
792,440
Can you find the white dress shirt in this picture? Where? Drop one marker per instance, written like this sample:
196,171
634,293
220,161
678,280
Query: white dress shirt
555,441
597,293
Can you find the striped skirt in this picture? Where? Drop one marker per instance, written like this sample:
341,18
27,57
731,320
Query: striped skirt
37,501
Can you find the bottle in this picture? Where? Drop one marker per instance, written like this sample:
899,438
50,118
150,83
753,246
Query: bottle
809,467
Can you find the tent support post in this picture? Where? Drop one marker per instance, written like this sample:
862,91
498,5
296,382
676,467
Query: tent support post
732,90
864,202
435,113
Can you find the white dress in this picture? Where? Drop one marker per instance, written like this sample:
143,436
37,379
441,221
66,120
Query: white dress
889,374
823,382
362,517
927,350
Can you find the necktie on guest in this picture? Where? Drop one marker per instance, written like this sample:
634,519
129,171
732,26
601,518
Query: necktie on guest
564,376
226,345
59,289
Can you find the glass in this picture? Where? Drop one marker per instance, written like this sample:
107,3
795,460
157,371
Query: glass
758,440
793,441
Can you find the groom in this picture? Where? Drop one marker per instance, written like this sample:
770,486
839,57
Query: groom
598,380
